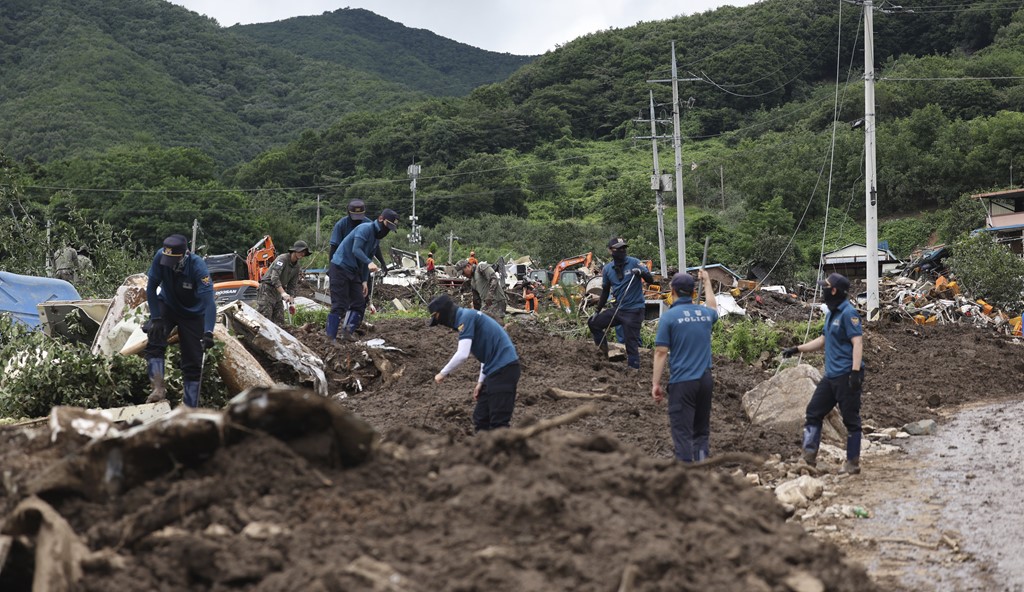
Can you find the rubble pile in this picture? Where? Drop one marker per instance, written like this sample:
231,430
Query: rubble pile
926,302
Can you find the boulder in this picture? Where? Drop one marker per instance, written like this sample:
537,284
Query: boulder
779,403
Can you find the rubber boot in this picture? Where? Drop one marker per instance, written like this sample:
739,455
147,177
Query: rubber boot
852,464
156,380
191,395
333,322
812,439
351,323
633,362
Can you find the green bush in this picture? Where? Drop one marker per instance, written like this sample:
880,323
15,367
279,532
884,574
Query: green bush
989,270
744,339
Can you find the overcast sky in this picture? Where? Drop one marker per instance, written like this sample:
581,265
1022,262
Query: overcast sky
513,26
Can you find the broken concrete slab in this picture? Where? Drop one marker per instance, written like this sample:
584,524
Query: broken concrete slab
123,316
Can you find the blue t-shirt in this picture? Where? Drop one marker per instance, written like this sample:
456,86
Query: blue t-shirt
630,299
685,329
357,248
840,328
189,293
342,229
491,344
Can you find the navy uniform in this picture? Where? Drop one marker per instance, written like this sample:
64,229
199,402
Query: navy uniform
481,335
356,216
349,273
279,282
684,340
842,338
185,300
621,279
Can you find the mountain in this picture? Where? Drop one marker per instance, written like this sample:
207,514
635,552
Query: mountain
82,76
360,39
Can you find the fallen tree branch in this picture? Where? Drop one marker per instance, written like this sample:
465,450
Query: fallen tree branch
547,424
922,544
557,393
168,509
628,581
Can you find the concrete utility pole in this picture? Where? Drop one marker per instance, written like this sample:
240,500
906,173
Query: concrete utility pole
451,238
195,230
870,164
677,146
414,234
658,184
318,221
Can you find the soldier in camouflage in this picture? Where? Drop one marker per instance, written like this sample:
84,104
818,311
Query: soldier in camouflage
485,282
279,282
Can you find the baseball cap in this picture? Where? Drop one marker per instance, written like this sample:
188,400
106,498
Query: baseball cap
683,283
173,250
357,209
300,247
617,243
390,218
837,281
442,311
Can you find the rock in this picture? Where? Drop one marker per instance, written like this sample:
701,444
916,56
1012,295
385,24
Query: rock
780,403
262,531
802,581
800,491
925,427
217,530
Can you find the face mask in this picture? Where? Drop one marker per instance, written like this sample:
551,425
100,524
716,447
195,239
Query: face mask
833,301
619,255
383,232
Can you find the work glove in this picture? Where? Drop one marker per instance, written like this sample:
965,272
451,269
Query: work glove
157,331
790,351
208,341
856,379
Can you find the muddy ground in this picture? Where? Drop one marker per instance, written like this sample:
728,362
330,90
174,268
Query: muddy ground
594,505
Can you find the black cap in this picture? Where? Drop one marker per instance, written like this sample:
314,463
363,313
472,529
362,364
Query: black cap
357,209
617,243
300,247
442,311
683,283
174,250
837,281
390,218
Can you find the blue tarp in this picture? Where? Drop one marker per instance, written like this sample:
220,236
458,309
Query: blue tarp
19,295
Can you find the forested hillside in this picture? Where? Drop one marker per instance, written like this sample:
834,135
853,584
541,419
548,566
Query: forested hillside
82,76
546,162
368,42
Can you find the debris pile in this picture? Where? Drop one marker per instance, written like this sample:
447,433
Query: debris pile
926,302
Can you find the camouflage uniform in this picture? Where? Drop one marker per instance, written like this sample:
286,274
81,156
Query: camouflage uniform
488,285
282,273
65,264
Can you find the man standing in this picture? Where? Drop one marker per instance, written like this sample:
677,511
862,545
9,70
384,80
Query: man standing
842,338
279,282
479,334
622,278
485,282
430,265
356,216
472,258
685,331
185,301
350,271
65,264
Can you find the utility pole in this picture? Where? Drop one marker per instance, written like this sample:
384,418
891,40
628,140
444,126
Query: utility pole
318,221
870,164
49,249
659,182
721,179
451,238
677,146
195,230
414,234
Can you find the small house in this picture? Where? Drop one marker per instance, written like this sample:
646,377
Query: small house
1004,216
852,261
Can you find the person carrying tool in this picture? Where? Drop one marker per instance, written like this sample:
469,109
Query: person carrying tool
279,283
185,300
622,278
530,297
684,341
479,334
350,271
356,216
486,283
842,338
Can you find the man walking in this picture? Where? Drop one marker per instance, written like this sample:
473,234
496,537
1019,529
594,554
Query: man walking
842,338
684,340
479,334
486,283
350,271
356,216
279,283
622,278
185,301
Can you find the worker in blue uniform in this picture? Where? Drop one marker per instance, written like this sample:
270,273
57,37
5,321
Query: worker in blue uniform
684,342
350,271
180,294
481,335
622,278
843,341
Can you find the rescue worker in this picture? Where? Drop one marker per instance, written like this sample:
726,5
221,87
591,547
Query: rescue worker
185,300
356,216
472,258
530,297
479,334
622,278
684,341
842,338
430,264
486,283
350,271
279,283
65,264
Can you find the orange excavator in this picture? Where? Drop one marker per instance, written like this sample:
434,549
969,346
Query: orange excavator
568,279
260,257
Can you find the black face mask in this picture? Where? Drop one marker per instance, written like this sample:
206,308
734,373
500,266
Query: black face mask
383,232
619,255
833,302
